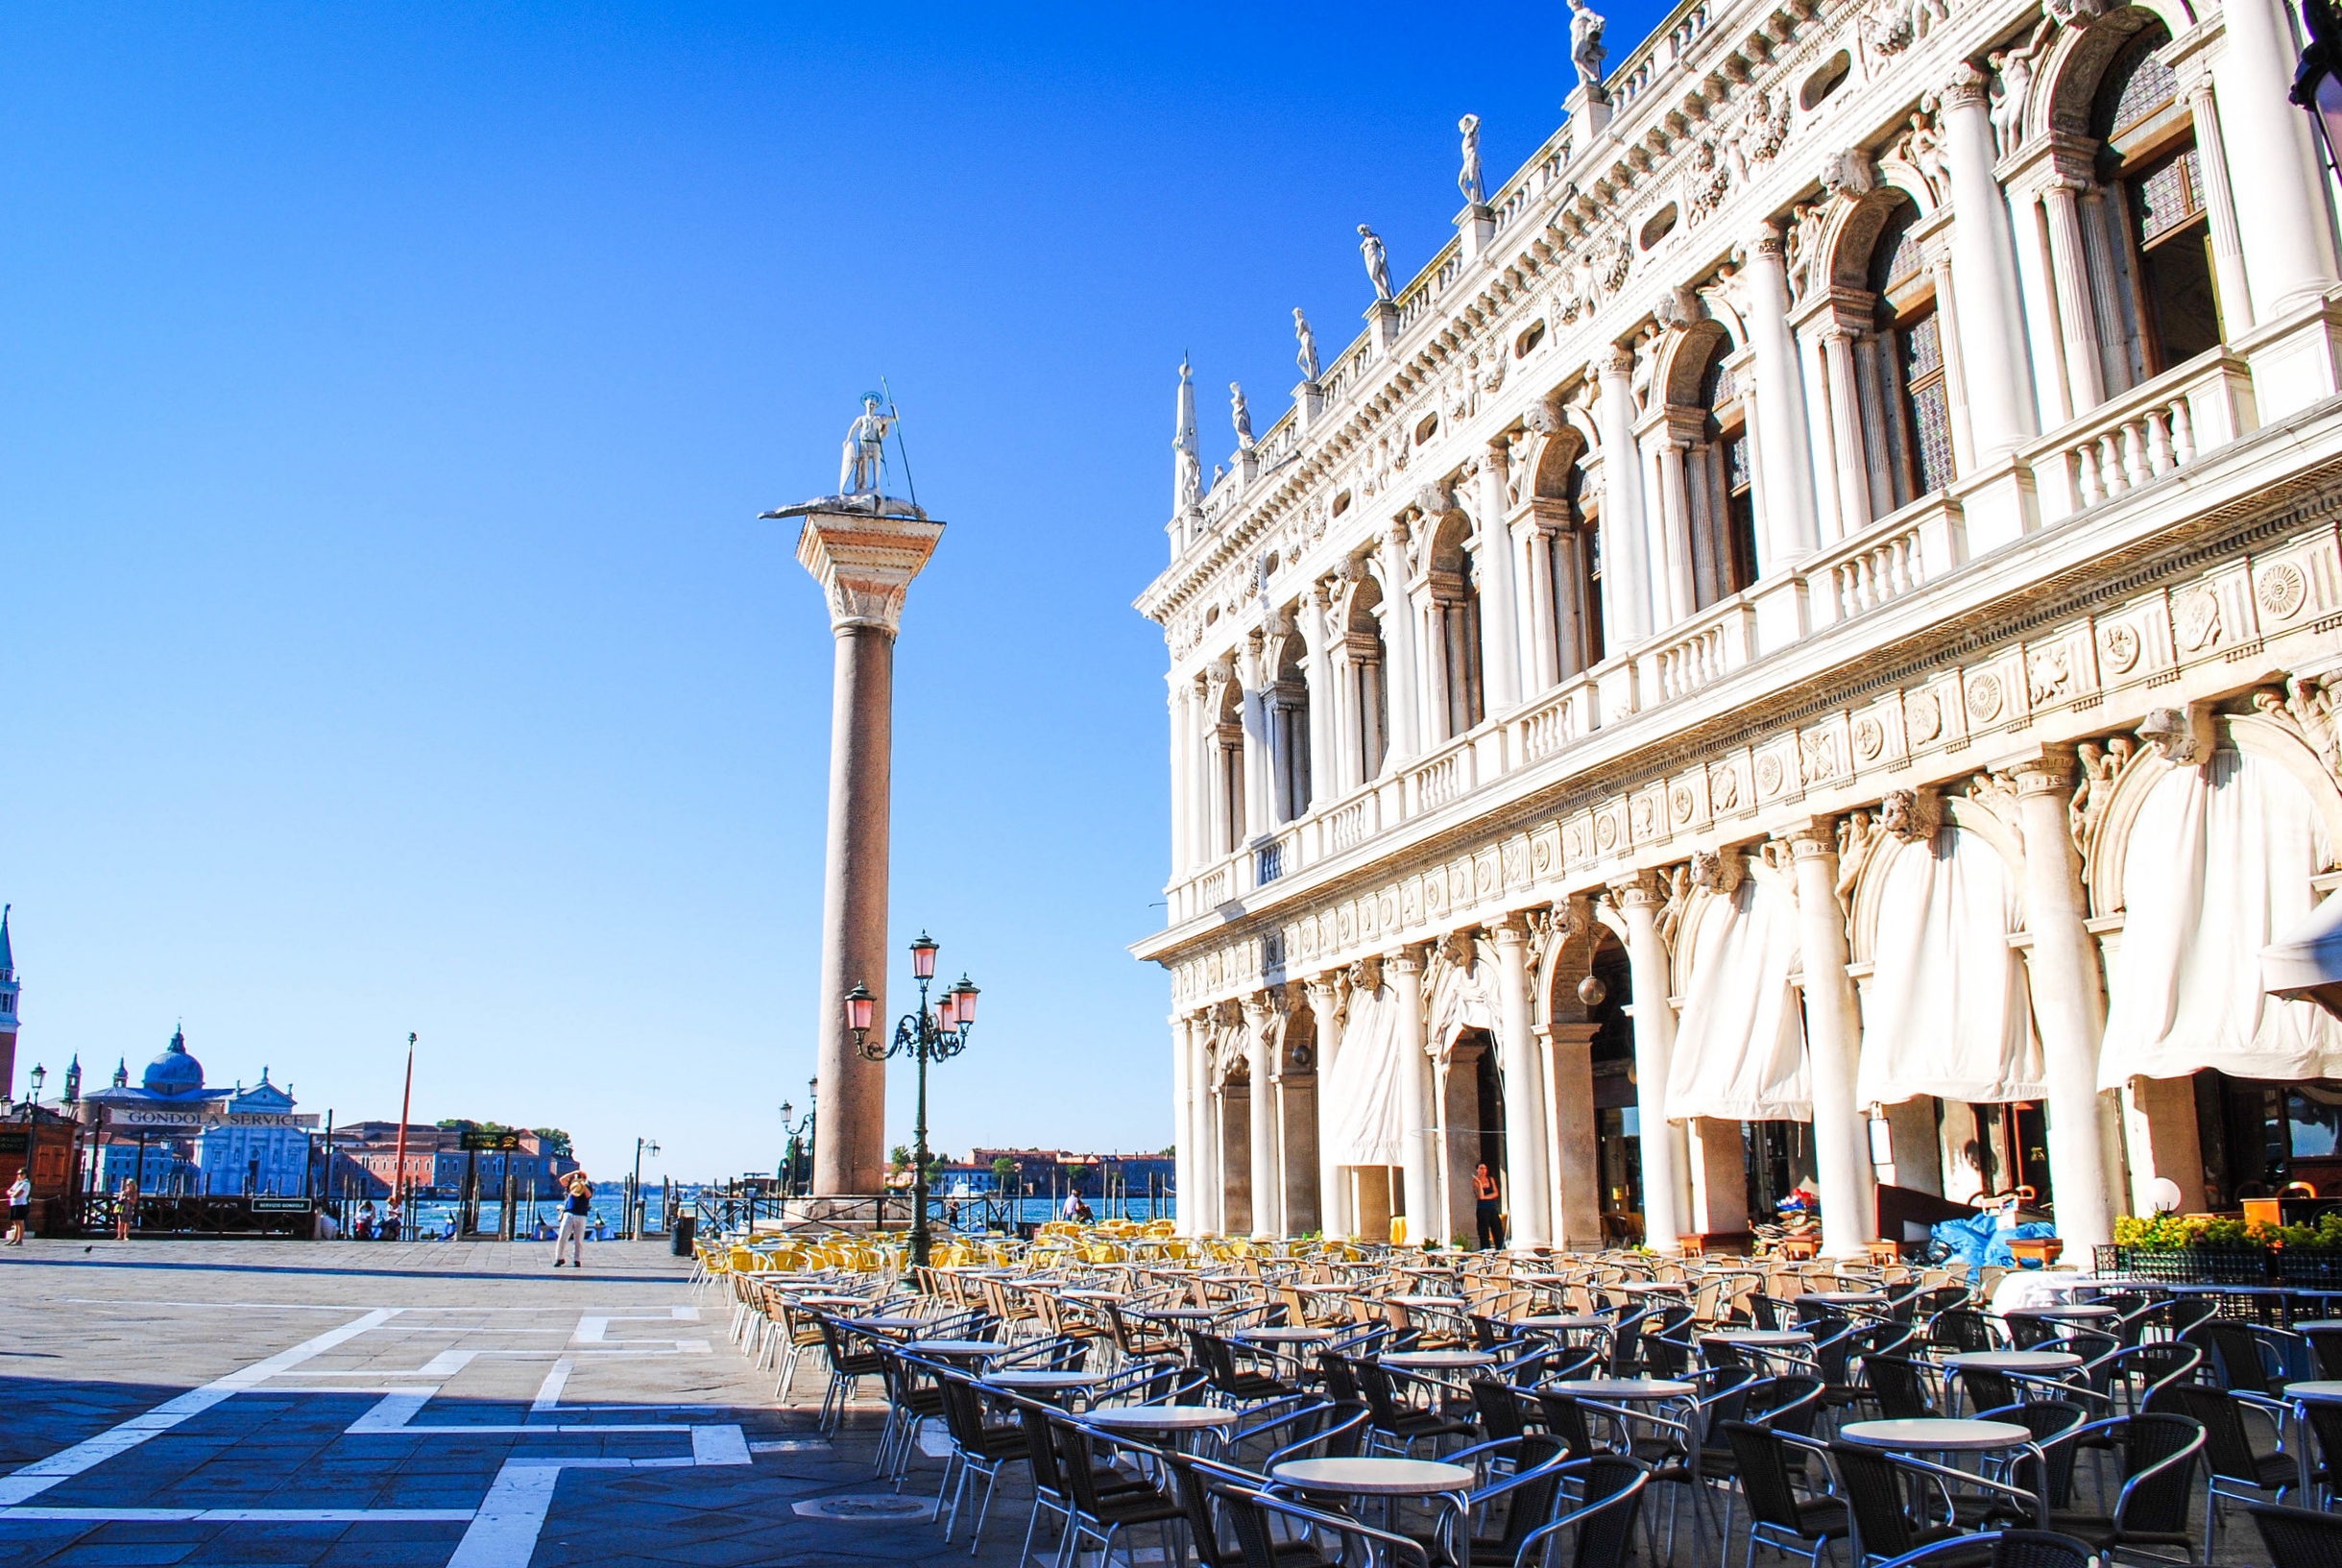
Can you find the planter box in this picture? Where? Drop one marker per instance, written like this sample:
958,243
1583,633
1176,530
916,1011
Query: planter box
2191,1266
2310,1269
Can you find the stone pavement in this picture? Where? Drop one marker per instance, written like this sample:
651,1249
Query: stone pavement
414,1403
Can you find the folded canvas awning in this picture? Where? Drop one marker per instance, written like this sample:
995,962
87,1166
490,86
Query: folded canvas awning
2306,963
1362,1118
1740,1050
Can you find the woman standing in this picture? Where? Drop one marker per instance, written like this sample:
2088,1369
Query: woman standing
126,1208
1488,1210
19,1207
575,1209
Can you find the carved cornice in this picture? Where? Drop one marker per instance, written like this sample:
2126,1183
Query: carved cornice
865,564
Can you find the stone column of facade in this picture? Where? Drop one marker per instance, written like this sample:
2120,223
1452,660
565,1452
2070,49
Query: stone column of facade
2036,280
1533,549
1404,971
1792,528
2292,255
1325,769
864,561
1576,1149
1525,1184
2220,205
1500,615
1201,773
1183,1125
1984,261
1333,1191
1626,578
1639,898
1268,1193
1846,426
1260,760
1672,597
1833,1045
1209,1172
1180,783
2070,269
2069,999
1400,680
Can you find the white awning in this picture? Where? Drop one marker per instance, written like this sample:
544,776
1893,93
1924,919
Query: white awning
1947,1012
2306,963
1362,1122
1740,1050
2218,864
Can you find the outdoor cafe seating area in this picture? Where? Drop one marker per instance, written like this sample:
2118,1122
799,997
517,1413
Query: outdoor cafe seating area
1121,1391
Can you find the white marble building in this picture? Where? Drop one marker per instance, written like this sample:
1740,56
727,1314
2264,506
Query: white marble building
1797,645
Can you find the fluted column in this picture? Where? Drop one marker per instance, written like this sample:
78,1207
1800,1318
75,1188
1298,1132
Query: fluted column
1180,782
2229,273
2069,999
1201,1216
1984,261
1627,564
1403,971
1791,526
1500,618
1324,746
1183,1125
1833,1046
1268,1191
1200,770
1525,1181
1403,660
1541,619
2289,253
1333,1191
1845,431
1260,763
1639,898
2070,269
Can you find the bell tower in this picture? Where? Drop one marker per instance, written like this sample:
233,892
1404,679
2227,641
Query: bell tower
8,1009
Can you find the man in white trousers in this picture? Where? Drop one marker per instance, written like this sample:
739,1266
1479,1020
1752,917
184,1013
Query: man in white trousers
575,1209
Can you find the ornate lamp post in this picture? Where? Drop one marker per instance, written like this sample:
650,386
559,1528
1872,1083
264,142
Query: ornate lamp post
2317,79
928,1035
39,1075
800,1136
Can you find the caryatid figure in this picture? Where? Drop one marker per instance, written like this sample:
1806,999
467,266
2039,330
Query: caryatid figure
859,470
1241,412
1468,178
1307,358
1585,48
1378,264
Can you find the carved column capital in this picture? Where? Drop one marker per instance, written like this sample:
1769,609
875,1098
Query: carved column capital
1811,838
1640,889
1406,960
865,564
2053,772
1967,88
1770,241
1511,933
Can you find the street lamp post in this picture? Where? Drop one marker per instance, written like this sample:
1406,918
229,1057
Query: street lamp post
800,1135
2317,80
634,1195
928,1035
39,1075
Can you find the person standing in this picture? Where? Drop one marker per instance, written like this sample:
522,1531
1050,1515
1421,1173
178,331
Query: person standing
1488,1210
126,1208
19,1207
575,1209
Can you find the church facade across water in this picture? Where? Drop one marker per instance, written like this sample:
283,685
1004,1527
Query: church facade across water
175,1133
1797,649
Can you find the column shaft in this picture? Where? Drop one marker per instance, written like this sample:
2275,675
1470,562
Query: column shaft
2290,252
1183,1123
1400,680
1324,763
850,1156
1267,1191
1984,261
1845,432
2220,204
2069,268
1791,529
1627,564
1500,621
1332,1191
1833,1045
1525,1184
1404,971
1654,1037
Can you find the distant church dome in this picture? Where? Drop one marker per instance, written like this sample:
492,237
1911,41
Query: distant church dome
174,1072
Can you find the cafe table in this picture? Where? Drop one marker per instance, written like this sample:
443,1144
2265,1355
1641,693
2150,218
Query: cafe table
1945,1434
1042,1383
1386,1479
1766,1344
885,1325
1847,1298
959,1349
2081,1311
1176,1422
2023,1363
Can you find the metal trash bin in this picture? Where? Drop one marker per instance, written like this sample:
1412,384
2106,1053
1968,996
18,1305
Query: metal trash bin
686,1224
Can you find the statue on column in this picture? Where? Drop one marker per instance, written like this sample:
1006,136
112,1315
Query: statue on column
1378,264
1468,178
1307,358
1241,413
859,471
1585,48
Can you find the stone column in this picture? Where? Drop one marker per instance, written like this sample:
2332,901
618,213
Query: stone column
864,561
1627,565
1180,783
2069,999
1333,1191
2220,205
1202,770
1267,1196
1846,428
1791,527
1324,748
1833,1045
2289,255
1400,680
2069,269
1183,1125
1576,1149
1404,970
1534,550
1260,762
1984,261
1500,639
1525,1183
1639,898
1211,1197
1673,600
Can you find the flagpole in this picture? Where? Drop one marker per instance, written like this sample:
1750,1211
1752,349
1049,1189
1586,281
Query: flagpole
406,1102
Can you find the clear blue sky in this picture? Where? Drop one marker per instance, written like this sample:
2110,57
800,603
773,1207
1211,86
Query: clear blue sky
387,396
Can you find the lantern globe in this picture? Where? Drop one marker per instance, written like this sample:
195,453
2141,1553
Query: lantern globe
862,1008
923,956
964,994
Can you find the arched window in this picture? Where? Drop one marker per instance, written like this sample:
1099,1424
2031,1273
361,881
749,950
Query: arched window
1289,728
1228,768
1563,575
1453,642
2153,223
1363,709
1907,410
1719,485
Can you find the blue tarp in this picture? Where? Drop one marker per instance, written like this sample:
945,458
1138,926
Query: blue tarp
1981,1241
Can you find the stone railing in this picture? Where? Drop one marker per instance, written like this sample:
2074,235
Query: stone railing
1894,555
1716,641
1663,49
1554,720
1353,822
1440,779
2154,429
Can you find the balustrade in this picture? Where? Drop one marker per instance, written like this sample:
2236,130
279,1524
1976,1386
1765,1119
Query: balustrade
2148,432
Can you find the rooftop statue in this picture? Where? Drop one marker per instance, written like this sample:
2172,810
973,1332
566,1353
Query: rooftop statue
1187,470
1467,180
859,470
1378,264
1241,413
1585,44
1307,358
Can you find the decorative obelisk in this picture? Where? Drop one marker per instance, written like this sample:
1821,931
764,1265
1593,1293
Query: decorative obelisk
864,547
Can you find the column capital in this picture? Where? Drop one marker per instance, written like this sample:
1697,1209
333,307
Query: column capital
1810,838
1257,1006
1639,889
1967,88
1405,960
1770,241
1616,360
2052,772
1512,932
864,563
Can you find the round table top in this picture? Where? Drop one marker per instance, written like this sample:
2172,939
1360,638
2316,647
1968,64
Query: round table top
1282,1336
1424,1360
2016,1361
1564,1320
1623,1387
1936,1433
2076,1313
1180,1314
955,1347
833,1300
1018,1377
1845,1298
2320,1389
1329,1290
1649,1288
882,1325
1457,1302
1374,1477
2319,1325
1096,1296
1761,1339
1160,1417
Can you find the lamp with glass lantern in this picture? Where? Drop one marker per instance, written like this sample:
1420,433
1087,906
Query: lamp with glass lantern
932,1034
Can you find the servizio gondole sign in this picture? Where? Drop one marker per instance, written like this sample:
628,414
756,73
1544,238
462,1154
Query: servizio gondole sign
159,1117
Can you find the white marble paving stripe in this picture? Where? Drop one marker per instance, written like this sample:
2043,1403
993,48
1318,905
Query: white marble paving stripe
242,1515
548,1392
32,1479
503,1534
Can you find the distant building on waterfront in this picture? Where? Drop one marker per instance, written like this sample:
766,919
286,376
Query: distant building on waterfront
1045,1172
366,1161
178,1134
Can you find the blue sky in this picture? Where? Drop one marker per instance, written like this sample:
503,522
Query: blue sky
387,396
